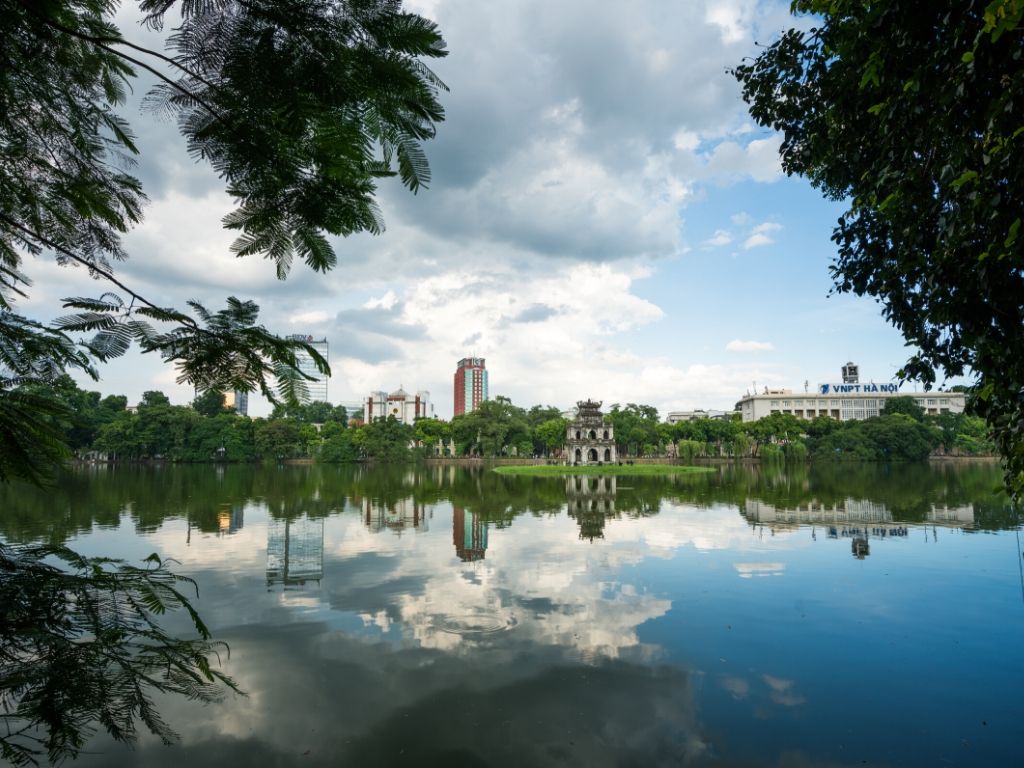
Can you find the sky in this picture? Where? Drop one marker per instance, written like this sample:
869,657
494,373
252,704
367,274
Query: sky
604,221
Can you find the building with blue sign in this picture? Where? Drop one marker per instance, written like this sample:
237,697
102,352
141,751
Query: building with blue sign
845,400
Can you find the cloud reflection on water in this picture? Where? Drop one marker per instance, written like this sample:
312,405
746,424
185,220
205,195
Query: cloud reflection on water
502,628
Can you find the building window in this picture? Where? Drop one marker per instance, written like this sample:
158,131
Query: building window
775,403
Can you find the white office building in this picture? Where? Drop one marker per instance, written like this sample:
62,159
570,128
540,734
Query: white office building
844,401
400,404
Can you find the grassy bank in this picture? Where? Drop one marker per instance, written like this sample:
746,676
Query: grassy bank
606,469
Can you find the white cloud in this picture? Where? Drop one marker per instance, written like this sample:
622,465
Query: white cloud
730,161
309,318
387,301
720,238
761,235
685,140
737,345
766,227
757,240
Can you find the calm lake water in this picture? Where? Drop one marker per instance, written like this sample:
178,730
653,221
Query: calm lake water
835,616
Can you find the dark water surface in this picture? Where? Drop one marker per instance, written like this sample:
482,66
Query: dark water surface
836,616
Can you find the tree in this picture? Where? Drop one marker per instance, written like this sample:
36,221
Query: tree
911,112
209,403
152,398
905,405
550,434
278,439
316,412
430,432
635,426
301,106
337,447
81,645
384,440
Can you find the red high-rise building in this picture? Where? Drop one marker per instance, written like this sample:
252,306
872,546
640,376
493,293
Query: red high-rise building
470,384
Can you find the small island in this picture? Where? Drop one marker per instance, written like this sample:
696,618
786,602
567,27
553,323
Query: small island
561,470
590,450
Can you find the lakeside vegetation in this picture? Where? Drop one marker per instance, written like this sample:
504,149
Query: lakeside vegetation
546,470
102,428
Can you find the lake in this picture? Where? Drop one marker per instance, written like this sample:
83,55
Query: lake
440,615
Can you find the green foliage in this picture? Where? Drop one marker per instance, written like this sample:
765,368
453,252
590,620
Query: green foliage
301,106
912,113
385,440
492,429
152,398
549,435
635,426
209,403
316,412
689,449
278,439
795,451
896,437
32,440
339,447
81,644
429,432
905,405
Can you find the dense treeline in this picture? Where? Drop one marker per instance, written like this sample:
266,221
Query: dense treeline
207,431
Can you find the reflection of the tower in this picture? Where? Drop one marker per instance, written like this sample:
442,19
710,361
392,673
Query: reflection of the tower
397,516
469,534
590,501
856,519
295,551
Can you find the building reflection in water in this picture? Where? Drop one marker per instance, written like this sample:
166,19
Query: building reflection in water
295,551
858,520
397,516
590,501
469,534
230,518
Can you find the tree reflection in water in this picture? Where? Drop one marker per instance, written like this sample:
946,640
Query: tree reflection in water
81,646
